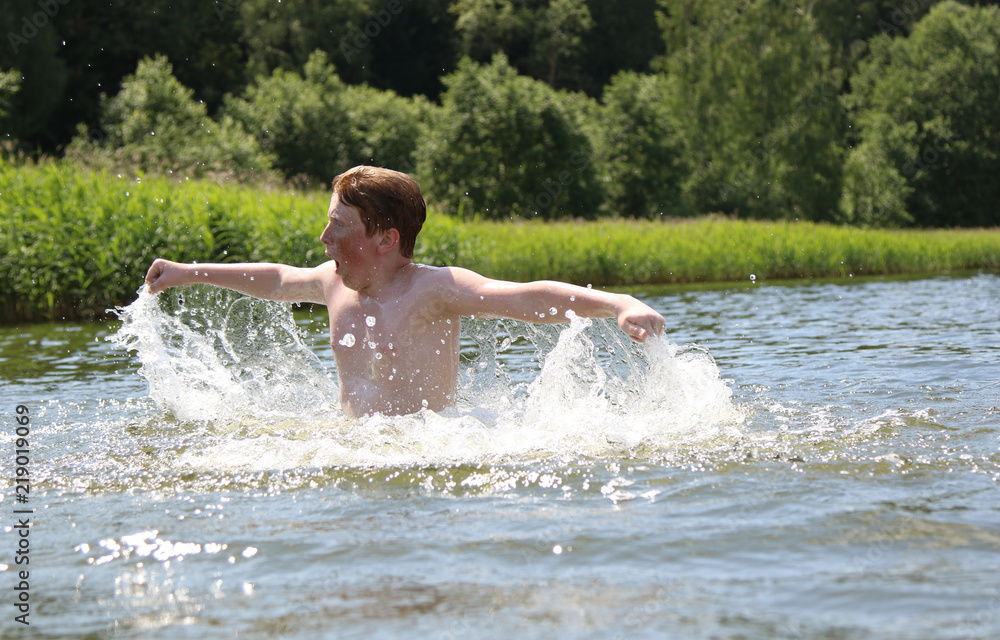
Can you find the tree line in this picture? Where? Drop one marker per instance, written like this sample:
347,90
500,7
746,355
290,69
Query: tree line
878,113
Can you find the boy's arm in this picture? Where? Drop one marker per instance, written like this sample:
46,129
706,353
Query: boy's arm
261,280
546,301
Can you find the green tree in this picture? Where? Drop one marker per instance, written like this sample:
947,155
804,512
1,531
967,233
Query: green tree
316,126
99,43
505,145
639,151
284,35
755,94
10,82
155,124
31,45
625,37
927,111
537,36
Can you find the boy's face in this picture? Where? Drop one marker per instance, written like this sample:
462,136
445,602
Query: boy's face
348,244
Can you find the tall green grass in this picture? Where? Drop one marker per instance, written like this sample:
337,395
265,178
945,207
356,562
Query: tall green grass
74,243
620,252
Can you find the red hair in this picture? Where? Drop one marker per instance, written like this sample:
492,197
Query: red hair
385,199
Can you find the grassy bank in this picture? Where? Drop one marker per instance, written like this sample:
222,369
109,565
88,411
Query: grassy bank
74,243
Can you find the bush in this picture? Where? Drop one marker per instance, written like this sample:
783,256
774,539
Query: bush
506,146
154,124
317,127
639,153
927,109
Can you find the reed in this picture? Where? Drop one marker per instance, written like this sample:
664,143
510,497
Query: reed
74,243
709,249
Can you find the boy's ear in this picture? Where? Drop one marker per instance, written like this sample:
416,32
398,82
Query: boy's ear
388,242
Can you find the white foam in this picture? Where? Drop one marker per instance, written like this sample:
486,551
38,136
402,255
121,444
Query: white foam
241,366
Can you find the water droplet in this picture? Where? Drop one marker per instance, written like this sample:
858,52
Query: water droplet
553,310
347,340
371,345
424,403
390,345
557,549
572,298
370,321
378,356
753,278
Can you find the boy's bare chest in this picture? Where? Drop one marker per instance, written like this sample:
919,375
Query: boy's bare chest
369,337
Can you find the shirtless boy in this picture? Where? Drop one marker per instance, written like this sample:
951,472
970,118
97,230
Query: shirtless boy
394,324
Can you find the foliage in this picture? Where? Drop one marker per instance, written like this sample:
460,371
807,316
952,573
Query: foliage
316,126
927,110
10,83
155,124
31,45
625,37
755,96
536,35
505,145
74,243
875,113
639,151
640,252
285,35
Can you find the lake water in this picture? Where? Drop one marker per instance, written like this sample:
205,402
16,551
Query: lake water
801,460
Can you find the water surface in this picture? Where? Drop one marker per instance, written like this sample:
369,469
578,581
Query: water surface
807,460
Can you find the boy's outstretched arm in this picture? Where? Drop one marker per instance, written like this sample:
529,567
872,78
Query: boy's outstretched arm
547,301
261,280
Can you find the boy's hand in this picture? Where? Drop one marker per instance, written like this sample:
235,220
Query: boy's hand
639,321
164,274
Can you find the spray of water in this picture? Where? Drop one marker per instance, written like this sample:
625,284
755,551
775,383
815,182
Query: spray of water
242,367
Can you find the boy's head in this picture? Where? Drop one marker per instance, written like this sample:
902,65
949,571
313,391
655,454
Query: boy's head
385,199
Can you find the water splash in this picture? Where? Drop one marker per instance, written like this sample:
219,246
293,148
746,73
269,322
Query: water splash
526,392
210,355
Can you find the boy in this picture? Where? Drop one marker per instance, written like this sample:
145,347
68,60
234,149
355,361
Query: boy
394,324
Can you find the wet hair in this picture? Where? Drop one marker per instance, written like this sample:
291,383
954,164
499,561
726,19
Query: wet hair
385,199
